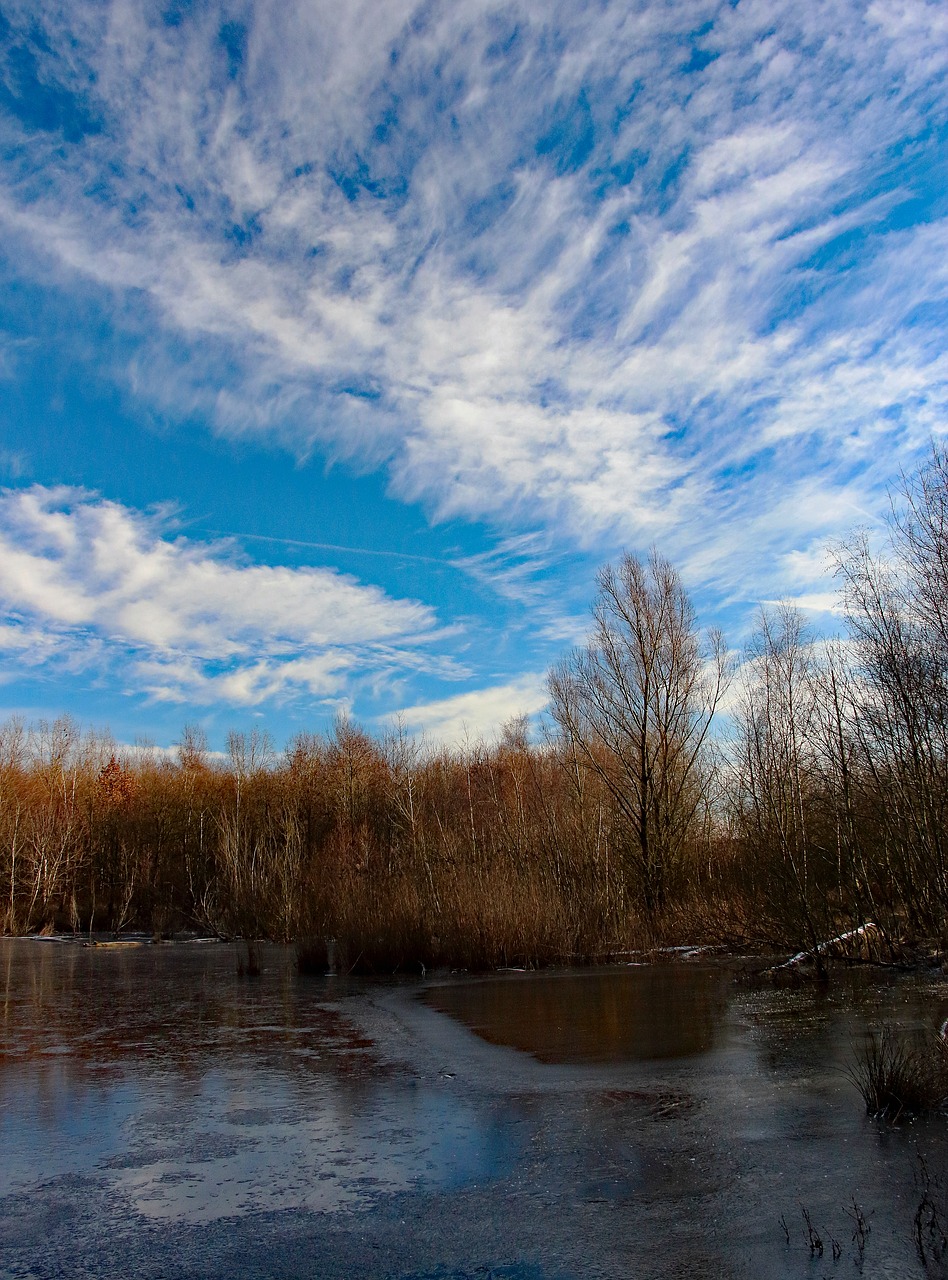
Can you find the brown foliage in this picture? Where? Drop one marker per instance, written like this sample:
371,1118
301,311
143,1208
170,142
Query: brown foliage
824,807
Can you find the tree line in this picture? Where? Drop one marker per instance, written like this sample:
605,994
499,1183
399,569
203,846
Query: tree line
680,793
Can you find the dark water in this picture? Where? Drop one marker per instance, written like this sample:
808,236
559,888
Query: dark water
160,1116
625,1015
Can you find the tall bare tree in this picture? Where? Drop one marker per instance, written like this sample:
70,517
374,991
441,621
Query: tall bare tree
636,704
896,604
778,773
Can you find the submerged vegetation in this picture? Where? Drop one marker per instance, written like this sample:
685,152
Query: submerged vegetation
818,803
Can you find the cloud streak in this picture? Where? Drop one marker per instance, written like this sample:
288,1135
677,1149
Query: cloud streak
630,273
92,582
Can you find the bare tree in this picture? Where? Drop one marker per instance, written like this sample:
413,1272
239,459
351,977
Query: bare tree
897,608
778,759
636,704
12,761
920,537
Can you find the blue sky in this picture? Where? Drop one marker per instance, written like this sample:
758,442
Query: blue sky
340,344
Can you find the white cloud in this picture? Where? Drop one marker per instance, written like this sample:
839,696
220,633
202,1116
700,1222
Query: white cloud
87,580
477,714
616,344
151,752
814,603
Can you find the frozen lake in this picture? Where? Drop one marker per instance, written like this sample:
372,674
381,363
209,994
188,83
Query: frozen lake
161,1116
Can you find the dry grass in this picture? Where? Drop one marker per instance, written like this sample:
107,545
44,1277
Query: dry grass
900,1076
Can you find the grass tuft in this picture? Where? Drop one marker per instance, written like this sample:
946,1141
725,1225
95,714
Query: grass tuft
899,1077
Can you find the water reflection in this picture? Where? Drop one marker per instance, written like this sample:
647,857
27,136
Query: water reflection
622,1015
216,1158
167,1006
153,1093
197,1096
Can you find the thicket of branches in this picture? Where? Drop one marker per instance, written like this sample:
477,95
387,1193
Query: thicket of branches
680,794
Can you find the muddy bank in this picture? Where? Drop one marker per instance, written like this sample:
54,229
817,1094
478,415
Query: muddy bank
160,1116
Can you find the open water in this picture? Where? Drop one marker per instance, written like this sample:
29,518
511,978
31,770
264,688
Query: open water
161,1116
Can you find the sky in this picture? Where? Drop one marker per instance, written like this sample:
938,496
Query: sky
341,344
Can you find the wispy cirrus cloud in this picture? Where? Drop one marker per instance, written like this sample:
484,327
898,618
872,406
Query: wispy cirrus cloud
90,583
617,272
521,570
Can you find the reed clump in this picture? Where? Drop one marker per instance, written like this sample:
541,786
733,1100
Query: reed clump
900,1077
